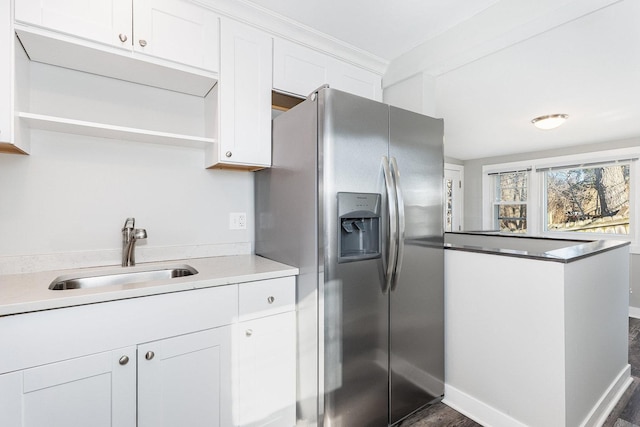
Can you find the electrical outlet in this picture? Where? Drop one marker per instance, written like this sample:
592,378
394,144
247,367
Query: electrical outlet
237,221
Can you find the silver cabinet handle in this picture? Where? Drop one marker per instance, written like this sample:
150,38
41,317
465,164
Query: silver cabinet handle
124,360
270,300
142,42
248,332
401,223
122,37
228,154
390,259
149,355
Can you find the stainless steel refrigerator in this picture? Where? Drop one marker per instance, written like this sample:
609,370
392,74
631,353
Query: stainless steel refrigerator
354,199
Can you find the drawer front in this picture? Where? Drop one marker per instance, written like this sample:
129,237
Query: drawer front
267,297
112,324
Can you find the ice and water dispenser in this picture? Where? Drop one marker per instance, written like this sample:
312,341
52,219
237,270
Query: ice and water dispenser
359,222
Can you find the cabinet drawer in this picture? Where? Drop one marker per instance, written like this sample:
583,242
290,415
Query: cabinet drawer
267,297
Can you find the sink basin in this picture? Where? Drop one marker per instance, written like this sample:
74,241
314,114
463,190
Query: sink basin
121,276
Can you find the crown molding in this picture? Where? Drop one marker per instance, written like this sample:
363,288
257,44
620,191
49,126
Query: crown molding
283,27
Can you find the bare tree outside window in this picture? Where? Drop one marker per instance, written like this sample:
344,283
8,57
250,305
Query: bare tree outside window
588,199
510,204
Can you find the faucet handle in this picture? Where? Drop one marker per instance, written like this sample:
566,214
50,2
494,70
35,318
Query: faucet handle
129,223
139,233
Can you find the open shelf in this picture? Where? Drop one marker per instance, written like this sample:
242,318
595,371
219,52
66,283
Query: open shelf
102,130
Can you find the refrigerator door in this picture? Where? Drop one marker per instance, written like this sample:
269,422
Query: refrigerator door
417,296
353,139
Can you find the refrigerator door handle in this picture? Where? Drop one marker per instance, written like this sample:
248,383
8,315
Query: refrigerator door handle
392,251
395,172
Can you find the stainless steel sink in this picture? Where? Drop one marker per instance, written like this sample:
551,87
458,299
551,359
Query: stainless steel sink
121,276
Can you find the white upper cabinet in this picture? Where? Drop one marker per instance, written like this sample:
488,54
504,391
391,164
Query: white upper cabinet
172,44
104,21
297,69
6,78
355,80
300,70
176,30
244,99
14,78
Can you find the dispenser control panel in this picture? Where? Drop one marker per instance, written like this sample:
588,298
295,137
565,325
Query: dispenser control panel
359,222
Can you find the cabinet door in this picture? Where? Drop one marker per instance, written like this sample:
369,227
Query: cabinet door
6,81
355,80
300,70
267,371
177,30
185,380
97,390
297,69
103,21
245,95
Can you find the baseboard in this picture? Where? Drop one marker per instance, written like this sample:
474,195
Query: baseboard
489,416
477,410
609,399
634,312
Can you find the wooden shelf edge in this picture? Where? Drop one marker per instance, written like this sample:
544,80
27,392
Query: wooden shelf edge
8,148
102,130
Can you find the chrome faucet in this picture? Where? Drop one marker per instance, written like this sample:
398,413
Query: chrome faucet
129,236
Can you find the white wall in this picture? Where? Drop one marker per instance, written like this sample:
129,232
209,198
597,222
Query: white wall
73,193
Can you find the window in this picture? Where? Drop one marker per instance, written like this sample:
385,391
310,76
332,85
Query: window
588,199
510,201
586,195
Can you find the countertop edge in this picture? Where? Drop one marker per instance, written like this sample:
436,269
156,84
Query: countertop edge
235,269
562,255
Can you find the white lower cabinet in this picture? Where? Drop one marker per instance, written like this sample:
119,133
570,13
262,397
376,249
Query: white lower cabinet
180,381
266,371
217,357
266,354
96,390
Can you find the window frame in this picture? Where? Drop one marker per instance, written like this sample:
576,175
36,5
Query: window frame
544,204
496,204
536,197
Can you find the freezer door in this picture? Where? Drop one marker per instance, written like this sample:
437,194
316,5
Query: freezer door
417,296
353,139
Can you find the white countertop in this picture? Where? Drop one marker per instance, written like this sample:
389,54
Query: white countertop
23,293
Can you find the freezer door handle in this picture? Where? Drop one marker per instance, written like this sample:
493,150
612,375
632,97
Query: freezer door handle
392,249
395,173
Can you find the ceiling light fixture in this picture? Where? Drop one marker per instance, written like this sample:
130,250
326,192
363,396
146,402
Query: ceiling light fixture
550,121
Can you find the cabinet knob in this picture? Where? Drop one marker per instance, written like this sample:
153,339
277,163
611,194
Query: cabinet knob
270,300
142,42
248,332
122,37
123,360
228,154
149,355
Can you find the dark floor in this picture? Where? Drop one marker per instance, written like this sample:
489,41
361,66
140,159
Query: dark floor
625,414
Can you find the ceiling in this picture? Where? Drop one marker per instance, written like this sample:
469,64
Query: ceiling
384,28
496,64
